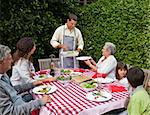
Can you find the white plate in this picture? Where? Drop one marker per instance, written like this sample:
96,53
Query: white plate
82,58
104,80
104,96
42,76
70,53
88,89
49,88
75,74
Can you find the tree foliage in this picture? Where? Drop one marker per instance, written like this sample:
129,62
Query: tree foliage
34,18
125,23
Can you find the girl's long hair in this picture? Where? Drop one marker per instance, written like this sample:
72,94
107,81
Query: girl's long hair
120,65
24,46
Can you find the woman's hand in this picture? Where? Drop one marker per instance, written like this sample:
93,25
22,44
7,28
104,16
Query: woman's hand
93,62
49,79
87,62
93,67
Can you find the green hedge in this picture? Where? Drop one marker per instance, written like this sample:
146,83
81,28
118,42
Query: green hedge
34,18
126,23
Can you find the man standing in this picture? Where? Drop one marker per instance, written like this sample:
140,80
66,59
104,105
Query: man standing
11,103
68,38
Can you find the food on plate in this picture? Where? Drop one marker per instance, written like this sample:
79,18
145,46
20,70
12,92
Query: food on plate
73,74
44,90
70,53
80,79
88,84
66,71
42,76
63,78
98,94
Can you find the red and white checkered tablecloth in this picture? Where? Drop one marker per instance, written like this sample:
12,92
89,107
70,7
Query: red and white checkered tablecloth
71,100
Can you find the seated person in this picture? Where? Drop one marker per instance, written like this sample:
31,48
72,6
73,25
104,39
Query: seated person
121,72
11,103
106,65
139,103
22,68
147,83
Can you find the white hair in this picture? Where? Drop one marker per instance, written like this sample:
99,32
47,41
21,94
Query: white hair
110,47
4,51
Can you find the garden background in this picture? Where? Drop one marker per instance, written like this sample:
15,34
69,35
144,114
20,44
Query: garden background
126,23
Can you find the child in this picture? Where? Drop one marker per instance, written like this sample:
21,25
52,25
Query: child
139,103
147,83
121,72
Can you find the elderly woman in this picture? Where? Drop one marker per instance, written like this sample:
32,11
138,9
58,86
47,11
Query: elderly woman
106,65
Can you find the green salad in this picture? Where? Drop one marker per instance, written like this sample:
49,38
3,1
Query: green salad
63,78
42,76
88,85
65,71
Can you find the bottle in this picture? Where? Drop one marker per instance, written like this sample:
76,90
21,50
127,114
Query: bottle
52,71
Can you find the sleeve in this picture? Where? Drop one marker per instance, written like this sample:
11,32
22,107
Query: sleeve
108,65
24,71
7,107
80,42
23,87
134,107
56,37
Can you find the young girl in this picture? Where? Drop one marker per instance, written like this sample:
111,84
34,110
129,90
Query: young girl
121,72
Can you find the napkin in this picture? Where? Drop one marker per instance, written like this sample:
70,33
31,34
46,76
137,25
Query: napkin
96,75
115,88
79,70
43,72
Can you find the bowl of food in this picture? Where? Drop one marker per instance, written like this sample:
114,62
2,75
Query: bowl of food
89,86
66,71
64,78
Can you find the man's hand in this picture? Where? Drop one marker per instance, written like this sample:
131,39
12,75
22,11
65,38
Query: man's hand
78,50
46,99
64,47
39,82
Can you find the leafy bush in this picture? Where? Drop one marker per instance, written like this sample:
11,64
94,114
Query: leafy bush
123,22
34,18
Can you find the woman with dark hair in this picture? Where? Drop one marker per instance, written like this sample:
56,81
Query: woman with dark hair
23,67
22,71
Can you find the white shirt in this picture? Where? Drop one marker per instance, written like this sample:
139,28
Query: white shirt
108,66
59,33
124,82
21,72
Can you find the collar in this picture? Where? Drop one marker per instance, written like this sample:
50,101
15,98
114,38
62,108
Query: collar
2,75
137,89
66,26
